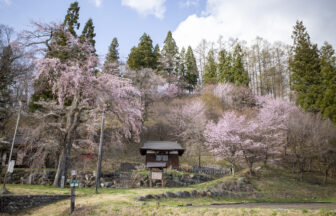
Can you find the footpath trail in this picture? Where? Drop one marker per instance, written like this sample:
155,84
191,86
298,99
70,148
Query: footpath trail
312,206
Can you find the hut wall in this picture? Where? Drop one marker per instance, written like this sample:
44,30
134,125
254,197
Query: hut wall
173,160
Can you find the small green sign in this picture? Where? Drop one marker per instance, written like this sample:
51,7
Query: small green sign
74,183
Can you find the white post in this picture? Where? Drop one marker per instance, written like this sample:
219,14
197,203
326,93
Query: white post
4,190
100,151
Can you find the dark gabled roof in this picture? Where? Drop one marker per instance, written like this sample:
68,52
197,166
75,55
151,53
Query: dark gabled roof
161,145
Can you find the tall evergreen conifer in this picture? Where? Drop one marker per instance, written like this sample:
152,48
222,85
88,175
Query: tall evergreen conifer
191,73
88,33
181,69
239,73
305,68
225,67
210,69
169,56
143,55
157,56
113,54
71,18
328,72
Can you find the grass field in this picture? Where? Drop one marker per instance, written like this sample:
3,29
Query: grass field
274,185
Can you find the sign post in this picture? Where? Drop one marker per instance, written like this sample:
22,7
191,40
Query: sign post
73,185
4,190
100,151
11,166
156,175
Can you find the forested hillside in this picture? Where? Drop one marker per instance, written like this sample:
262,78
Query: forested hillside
230,103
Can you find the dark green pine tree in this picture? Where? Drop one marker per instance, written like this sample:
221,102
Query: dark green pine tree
113,54
157,56
169,55
70,24
111,64
191,71
225,67
210,69
181,69
181,63
305,68
42,88
328,72
71,18
239,73
88,33
143,55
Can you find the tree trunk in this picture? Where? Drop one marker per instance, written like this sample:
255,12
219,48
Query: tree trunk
72,121
250,166
266,158
60,167
301,171
325,175
310,165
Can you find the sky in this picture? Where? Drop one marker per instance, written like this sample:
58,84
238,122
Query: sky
189,20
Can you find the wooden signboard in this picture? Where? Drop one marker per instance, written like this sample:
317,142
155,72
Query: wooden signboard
157,175
11,166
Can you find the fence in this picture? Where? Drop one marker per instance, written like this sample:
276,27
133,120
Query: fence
210,170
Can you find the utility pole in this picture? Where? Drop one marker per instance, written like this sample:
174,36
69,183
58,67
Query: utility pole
100,151
4,190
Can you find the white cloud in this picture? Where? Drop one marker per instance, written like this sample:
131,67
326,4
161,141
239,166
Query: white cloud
147,7
6,2
246,19
97,2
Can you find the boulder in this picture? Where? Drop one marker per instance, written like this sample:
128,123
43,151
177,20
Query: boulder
214,193
203,193
149,196
224,193
180,194
186,194
171,195
139,198
241,181
194,193
108,184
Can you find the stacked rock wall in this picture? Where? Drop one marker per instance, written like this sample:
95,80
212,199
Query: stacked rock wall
11,203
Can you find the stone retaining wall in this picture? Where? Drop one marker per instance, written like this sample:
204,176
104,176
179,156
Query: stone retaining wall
238,188
117,179
11,203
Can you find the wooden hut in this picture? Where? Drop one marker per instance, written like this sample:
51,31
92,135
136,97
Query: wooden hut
160,155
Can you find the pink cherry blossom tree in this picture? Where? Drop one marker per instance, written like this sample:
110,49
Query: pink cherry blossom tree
223,141
236,97
80,90
272,118
189,121
251,138
234,137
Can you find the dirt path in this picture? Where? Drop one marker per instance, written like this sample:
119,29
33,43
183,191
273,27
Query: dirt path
320,205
